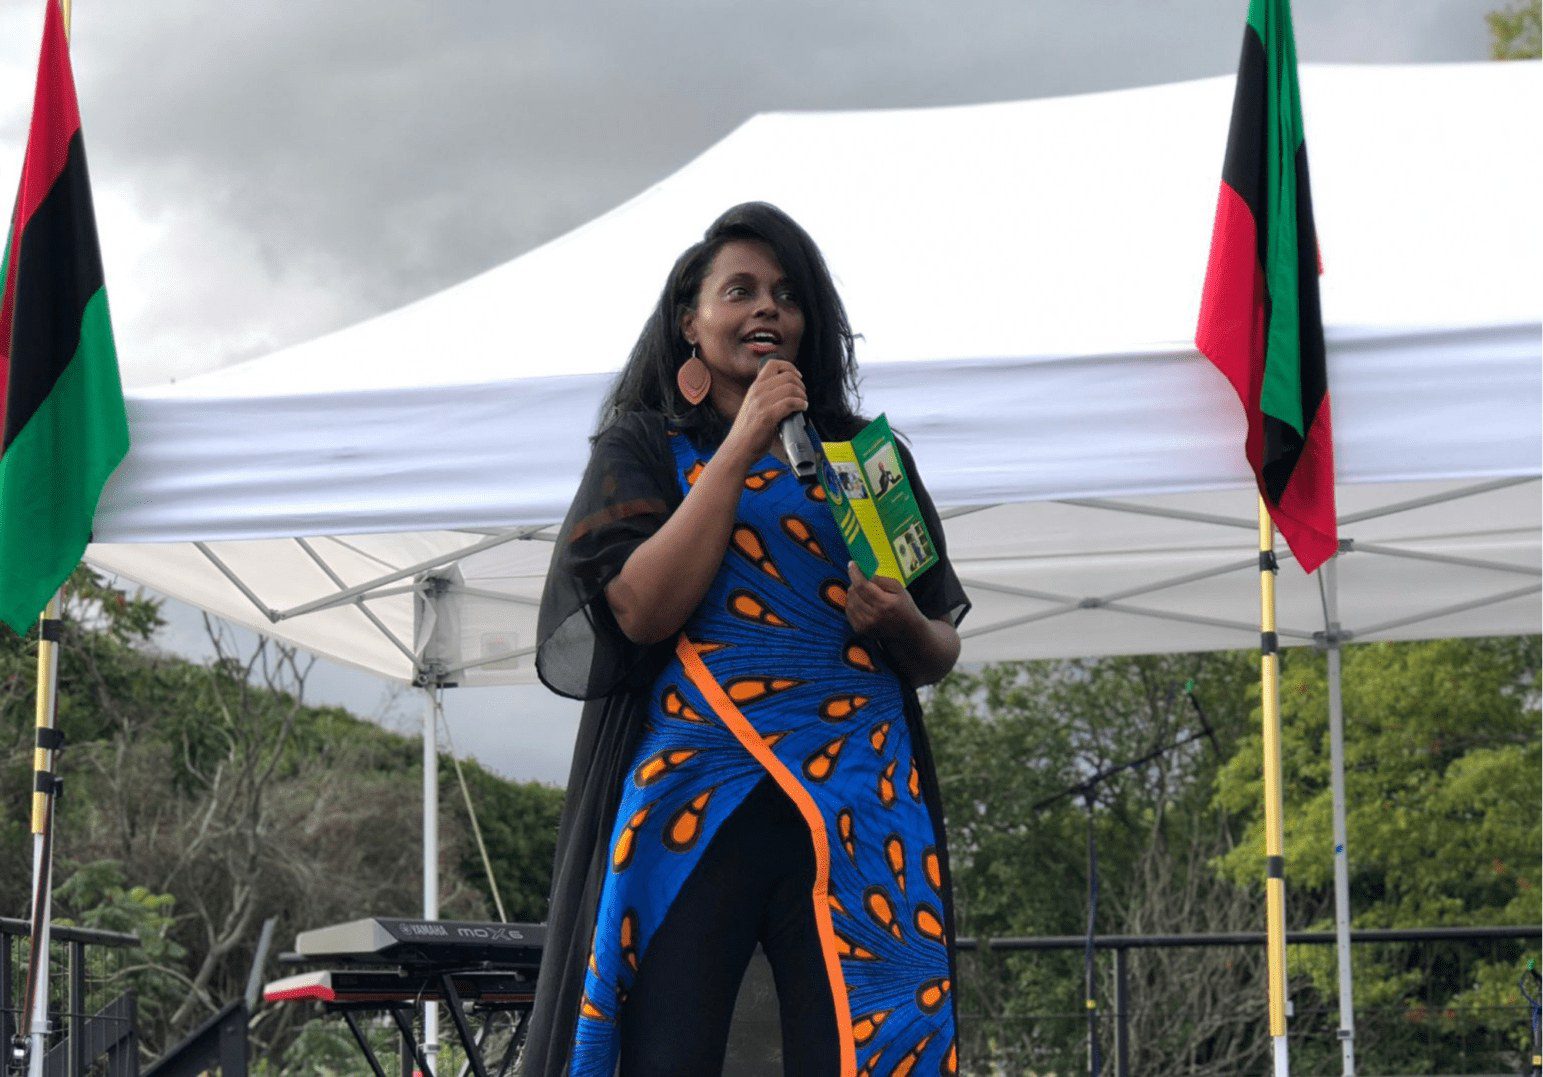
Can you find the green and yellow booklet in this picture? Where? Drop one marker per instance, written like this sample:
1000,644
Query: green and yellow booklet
870,495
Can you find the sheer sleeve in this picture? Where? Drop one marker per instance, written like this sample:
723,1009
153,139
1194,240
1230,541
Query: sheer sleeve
628,491
937,592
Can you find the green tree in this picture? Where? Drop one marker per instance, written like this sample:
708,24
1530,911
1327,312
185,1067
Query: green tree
1012,736
1514,30
203,799
1442,791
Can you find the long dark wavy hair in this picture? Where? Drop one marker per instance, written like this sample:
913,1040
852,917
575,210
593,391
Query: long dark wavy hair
826,356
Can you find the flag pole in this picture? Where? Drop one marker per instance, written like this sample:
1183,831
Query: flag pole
28,1049
1274,811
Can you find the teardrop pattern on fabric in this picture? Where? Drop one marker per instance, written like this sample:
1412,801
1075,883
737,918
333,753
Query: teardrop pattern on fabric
747,690
773,739
840,708
835,904
746,542
685,826
674,704
931,995
929,925
748,606
590,1010
894,856
707,647
881,910
814,492
627,844
629,938
801,533
933,868
857,656
867,1026
834,594
822,764
661,763
904,1067
694,472
950,1063
887,785
913,784
757,481
878,736
851,951
846,831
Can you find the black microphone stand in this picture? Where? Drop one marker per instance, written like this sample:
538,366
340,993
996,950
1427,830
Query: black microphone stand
1088,791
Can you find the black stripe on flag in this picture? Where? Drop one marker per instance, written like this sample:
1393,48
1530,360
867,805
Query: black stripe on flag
58,271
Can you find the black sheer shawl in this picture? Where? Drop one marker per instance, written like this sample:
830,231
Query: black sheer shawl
628,490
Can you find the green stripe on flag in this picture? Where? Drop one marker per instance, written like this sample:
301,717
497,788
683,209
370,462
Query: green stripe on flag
1280,395
52,475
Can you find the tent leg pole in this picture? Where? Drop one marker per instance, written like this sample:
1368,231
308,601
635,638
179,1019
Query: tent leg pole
1330,572
431,853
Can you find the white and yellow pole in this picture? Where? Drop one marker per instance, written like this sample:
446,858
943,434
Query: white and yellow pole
1274,805
45,786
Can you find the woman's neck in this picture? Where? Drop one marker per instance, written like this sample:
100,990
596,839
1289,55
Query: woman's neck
726,398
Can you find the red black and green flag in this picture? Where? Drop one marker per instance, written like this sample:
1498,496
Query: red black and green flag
61,403
1260,321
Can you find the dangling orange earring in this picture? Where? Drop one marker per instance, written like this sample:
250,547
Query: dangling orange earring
694,379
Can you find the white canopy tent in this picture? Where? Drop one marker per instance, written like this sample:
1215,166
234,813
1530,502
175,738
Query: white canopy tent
1026,277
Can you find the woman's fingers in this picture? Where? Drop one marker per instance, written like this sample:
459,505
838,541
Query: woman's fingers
877,606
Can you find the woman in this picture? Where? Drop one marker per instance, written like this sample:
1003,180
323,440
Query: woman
751,766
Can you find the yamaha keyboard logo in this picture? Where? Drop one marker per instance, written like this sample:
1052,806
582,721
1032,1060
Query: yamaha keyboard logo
425,930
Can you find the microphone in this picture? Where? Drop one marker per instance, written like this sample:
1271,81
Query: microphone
803,458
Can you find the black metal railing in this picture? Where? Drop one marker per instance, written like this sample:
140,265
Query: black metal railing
1005,1039
83,1026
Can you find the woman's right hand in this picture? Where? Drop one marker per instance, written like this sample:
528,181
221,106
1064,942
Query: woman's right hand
777,392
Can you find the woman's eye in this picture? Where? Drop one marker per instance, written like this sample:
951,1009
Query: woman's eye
735,291
788,296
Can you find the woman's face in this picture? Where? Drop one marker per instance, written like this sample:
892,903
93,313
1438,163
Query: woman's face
745,313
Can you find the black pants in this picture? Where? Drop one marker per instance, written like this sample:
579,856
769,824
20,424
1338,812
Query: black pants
753,884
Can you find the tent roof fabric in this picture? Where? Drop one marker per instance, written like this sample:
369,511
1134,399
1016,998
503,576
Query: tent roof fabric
1026,278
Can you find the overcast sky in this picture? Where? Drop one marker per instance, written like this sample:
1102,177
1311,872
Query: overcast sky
265,172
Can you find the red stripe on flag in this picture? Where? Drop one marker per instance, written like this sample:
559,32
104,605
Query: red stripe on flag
55,119
1232,332
1306,512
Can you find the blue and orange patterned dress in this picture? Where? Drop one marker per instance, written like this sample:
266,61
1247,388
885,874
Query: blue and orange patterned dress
768,679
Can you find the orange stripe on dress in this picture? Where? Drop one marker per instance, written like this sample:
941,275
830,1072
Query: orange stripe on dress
740,726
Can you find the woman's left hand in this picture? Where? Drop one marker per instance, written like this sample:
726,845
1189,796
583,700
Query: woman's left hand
881,606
